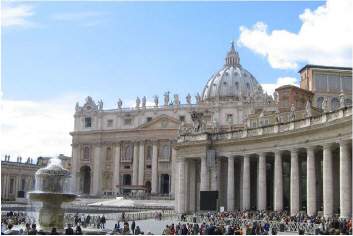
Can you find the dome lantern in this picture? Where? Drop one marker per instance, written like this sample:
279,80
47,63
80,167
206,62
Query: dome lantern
232,58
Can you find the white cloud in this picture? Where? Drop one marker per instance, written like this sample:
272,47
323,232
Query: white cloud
37,128
324,38
16,15
270,88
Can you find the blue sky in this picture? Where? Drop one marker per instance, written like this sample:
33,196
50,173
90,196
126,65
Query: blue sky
57,53
112,50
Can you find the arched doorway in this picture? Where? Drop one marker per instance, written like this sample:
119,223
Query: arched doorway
85,173
126,181
148,186
165,184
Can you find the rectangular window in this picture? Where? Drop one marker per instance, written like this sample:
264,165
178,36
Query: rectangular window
110,123
88,122
126,167
229,118
182,118
127,121
148,166
149,119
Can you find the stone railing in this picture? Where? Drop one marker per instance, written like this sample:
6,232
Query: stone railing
154,108
271,129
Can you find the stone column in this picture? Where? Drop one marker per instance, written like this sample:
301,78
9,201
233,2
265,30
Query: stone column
311,182
246,183
261,182
141,164
230,188
327,181
345,180
116,168
97,172
191,181
181,186
75,167
294,182
204,184
135,164
215,172
278,181
173,175
155,168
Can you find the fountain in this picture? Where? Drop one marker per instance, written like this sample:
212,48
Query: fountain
52,188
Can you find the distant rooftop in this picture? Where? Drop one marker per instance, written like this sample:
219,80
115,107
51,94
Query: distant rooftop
308,66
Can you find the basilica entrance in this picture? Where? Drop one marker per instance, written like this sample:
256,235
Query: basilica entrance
148,186
126,181
85,180
165,184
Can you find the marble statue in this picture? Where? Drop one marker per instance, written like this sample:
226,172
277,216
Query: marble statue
342,100
275,96
325,105
77,107
138,101
198,98
155,101
166,98
176,99
188,99
308,109
199,124
120,104
100,105
144,101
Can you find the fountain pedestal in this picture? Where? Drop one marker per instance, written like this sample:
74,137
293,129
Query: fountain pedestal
52,189
51,214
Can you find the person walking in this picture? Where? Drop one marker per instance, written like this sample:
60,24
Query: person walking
133,224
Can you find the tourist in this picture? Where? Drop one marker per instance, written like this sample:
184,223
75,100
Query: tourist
53,231
10,231
69,230
33,231
166,230
133,227
78,230
102,222
138,230
27,229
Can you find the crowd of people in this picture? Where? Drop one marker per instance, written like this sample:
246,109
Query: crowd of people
230,223
260,222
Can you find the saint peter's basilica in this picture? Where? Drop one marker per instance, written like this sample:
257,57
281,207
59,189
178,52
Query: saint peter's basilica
232,145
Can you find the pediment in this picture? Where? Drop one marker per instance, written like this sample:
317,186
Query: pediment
161,122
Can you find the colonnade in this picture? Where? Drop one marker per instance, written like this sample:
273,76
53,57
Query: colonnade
329,193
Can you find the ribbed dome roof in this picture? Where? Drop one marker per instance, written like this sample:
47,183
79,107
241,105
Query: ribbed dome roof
231,82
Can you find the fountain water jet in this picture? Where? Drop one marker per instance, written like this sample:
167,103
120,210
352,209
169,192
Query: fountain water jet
52,188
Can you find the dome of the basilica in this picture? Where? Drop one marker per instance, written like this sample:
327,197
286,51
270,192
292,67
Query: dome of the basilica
231,82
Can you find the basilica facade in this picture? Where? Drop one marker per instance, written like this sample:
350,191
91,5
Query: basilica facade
256,151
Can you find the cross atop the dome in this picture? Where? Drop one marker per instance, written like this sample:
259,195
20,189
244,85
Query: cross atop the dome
232,58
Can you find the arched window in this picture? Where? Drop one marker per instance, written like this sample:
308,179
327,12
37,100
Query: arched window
86,152
335,103
319,102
